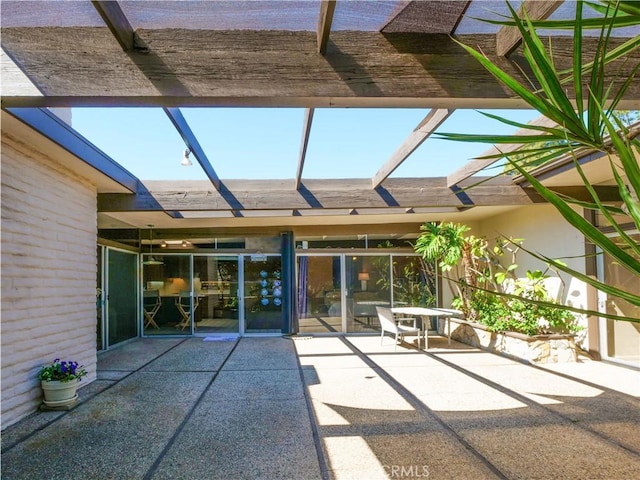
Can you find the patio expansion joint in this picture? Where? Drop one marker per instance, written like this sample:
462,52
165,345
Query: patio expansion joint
420,407
617,393
154,467
317,441
80,404
535,405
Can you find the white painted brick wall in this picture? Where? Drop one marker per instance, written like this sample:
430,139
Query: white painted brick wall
49,229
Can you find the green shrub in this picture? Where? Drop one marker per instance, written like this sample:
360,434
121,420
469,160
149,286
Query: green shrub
519,315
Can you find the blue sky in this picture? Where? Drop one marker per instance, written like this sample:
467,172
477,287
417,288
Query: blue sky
259,143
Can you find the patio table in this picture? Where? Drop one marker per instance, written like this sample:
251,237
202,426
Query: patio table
447,313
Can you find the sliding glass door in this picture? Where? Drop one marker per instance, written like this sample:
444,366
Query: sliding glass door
621,340
368,285
121,303
169,304
319,293
340,292
217,287
263,288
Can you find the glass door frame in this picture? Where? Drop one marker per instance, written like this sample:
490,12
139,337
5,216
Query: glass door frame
602,307
242,294
104,294
101,296
141,287
239,257
343,276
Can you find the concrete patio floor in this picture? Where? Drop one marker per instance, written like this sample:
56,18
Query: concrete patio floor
332,407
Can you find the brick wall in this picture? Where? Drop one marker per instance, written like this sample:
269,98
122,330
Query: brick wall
48,273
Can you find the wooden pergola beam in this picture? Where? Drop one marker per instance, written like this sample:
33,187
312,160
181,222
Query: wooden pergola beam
327,8
272,69
117,21
342,195
306,130
428,125
193,145
508,38
475,165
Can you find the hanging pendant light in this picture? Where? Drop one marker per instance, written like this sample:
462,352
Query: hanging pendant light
151,260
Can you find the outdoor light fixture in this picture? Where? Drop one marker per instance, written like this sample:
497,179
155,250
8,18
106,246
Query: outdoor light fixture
151,259
184,244
186,161
163,244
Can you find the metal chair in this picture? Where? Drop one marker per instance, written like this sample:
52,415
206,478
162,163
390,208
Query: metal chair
151,303
389,324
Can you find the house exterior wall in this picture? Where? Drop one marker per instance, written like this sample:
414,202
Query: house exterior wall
49,229
545,231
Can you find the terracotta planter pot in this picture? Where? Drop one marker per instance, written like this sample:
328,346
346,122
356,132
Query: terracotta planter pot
57,393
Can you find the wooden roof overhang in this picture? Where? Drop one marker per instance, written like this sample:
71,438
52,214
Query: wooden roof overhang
413,60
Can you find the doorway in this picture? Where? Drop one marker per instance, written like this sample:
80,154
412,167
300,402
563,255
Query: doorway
216,281
116,307
339,293
212,294
620,340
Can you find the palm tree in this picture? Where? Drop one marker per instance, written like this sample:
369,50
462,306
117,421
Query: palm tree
446,244
587,123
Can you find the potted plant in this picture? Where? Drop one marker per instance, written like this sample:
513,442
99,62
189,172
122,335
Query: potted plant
59,381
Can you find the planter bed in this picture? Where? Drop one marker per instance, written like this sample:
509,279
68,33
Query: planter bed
538,349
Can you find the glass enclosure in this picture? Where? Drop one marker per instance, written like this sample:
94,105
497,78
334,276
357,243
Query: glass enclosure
414,282
168,305
622,338
121,300
319,293
369,281
263,290
368,284
216,284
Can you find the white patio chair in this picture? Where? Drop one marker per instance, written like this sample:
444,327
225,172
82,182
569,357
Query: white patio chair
389,324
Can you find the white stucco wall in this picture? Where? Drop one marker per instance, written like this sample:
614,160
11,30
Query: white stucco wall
49,229
546,232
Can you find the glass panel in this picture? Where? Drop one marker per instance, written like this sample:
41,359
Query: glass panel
263,294
412,284
368,281
166,296
319,294
623,338
122,306
215,281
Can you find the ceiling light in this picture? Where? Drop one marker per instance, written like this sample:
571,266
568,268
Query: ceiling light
186,161
163,244
151,259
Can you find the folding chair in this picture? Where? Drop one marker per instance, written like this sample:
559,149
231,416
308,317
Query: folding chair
150,305
183,303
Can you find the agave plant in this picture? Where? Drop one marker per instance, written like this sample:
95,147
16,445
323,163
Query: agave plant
588,123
